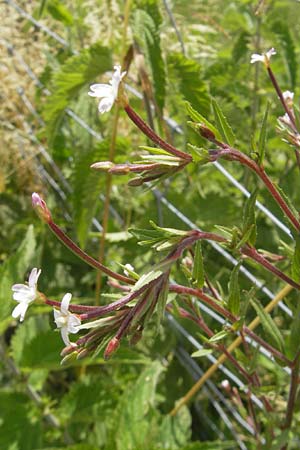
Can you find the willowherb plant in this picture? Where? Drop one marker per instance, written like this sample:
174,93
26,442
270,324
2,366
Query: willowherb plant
142,297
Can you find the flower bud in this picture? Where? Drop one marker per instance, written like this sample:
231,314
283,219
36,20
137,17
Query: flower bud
102,165
67,350
206,132
112,346
69,358
41,208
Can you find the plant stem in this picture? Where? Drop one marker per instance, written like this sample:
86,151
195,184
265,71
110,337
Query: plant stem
111,156
292,395
142,125
188,396
184,290
84,256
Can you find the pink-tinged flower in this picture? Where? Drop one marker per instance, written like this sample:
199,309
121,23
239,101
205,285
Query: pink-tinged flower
41,208
107,92
25,294
265,57
66,321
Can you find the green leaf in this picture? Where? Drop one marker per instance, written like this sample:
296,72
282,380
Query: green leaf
87,184
198,268
146,30
18,424
76,72
12,272
234,298
162,301
263,136
282,30
186,74
146,279
268,324
200,155
241,46
295,269
60,12
219,336
222,124
202,352
294,337
249,219
35,345
136,416
199,119
175,431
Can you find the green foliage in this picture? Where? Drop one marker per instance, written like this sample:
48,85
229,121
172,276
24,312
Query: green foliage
186,74
198,268
282,30
268,324
13,270
222,124
88,184
234,291
249,219
74,74
146,28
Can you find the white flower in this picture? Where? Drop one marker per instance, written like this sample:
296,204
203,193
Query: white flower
288,98
265,57
107,92
25,294
66,321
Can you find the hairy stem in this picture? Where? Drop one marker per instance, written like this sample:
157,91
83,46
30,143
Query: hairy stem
59,233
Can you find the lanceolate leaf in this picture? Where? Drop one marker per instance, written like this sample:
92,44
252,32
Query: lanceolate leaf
199,119
234,291
222,124
296,261
268,324
294,338
76,72
249,220
263,136
198,269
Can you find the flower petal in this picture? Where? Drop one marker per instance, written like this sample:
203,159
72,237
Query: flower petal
100,90
73,323
33,277
64,306
24,296
65,336
20,310
106,104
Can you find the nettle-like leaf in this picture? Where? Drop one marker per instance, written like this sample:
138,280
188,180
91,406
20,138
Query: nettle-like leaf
138,424
35,345
76,72
146,28
16,417
13,271
282,29
88,185
176,430
186,74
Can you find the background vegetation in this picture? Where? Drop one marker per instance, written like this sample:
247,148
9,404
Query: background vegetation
51,133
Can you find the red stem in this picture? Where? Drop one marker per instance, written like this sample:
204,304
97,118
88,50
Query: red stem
142,125
84,256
